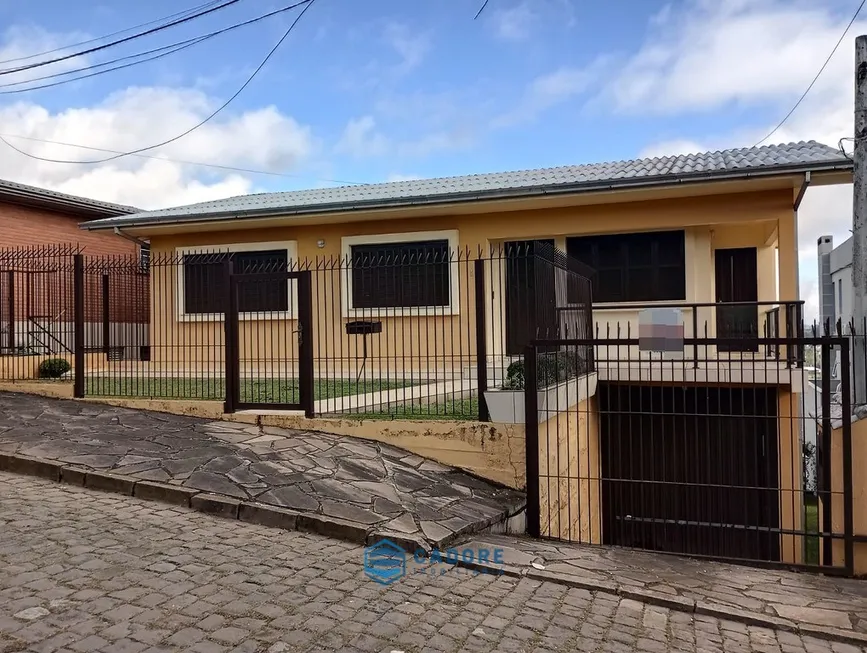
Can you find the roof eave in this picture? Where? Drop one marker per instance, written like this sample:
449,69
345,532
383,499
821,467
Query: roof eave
497,194
70,205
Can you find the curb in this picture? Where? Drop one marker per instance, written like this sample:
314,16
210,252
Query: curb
251,512
690,606
271,516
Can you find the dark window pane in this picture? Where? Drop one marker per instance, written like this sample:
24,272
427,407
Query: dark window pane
205,288
640,267
608,286
262,294
641,286
670,246
401,275
672,284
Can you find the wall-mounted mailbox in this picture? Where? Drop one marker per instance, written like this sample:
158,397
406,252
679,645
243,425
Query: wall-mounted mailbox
362,328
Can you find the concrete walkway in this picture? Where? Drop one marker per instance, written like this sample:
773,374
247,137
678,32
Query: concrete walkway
334,485
823,606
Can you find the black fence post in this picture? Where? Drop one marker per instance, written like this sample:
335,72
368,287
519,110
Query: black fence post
106,322
481,341
11,297
305,343
230,340
78,334
531,420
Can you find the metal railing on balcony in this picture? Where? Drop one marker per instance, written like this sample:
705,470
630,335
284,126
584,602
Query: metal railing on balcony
743,327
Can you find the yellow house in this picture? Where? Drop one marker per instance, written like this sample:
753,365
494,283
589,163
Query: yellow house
424,295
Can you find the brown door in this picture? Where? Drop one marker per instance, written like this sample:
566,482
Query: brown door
737,281
530,297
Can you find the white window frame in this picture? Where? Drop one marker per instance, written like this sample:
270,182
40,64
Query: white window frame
453,307
291,247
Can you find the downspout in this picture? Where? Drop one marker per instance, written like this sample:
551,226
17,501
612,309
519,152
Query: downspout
137,241
804,185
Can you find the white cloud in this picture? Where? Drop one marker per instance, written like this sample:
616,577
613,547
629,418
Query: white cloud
361,138
718,54
411,47
671,148
514,23
714,53
138,117
400,177
547,91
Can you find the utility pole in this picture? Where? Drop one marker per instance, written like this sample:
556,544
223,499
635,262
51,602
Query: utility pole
859,228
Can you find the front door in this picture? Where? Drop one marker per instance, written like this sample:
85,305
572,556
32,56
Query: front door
531,303
737,281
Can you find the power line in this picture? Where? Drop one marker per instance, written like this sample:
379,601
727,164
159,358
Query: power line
166,50
108,36
309,3
178,46
815,79
138,35
479,12
218,166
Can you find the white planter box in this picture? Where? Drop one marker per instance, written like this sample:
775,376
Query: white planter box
507,406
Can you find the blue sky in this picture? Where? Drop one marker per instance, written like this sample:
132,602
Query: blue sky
390,89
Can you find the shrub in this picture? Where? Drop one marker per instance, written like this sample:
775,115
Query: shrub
53,368
551,368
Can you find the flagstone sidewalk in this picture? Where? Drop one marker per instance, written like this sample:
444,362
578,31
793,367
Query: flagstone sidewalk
824,606
334,485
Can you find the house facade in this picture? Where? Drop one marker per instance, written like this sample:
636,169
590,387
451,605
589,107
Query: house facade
409,281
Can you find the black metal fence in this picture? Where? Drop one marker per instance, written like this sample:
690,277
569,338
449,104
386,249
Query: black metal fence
36,309
743,458
424,332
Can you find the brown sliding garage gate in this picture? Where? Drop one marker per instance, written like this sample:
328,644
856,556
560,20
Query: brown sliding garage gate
652,454
690,469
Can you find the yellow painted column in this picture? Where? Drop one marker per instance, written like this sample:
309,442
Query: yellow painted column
787,242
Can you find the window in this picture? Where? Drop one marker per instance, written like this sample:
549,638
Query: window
401,271
144,257
204,286
639,267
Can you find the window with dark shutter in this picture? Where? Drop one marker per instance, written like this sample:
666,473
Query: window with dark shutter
640,267
401,275
205,289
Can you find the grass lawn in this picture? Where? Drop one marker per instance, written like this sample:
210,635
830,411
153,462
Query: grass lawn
252,391
445,409
811,525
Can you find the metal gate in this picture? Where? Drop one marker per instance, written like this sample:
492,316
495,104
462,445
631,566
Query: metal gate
269,342
741,457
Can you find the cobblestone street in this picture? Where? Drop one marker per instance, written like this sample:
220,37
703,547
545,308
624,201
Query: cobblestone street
86,571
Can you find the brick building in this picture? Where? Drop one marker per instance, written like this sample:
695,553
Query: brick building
39,233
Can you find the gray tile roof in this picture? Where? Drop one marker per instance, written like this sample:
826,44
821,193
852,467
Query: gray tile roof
640,172
13,191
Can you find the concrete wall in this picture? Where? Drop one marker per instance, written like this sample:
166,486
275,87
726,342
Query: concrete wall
569,475
791,474
492,451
